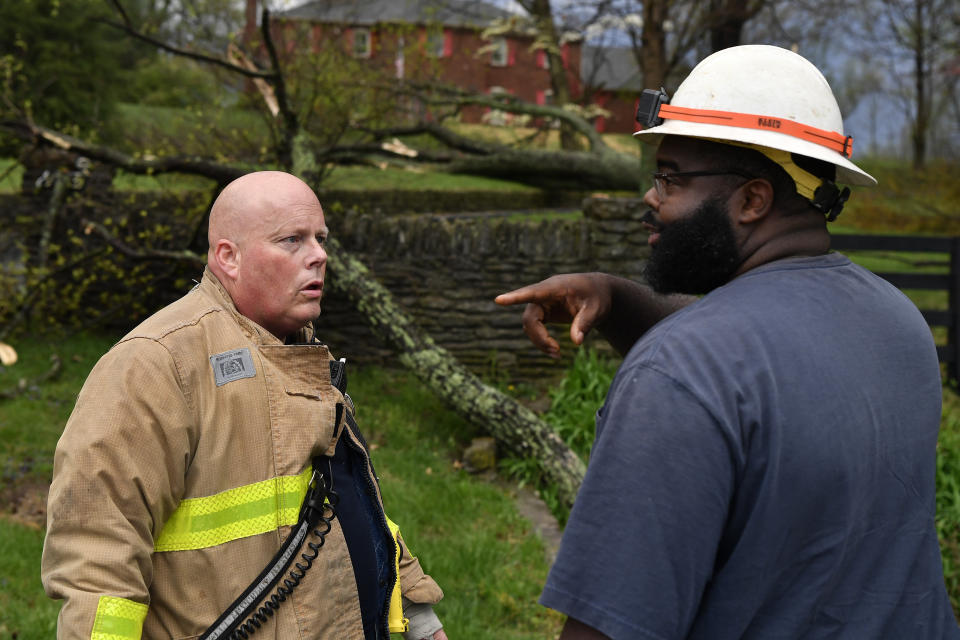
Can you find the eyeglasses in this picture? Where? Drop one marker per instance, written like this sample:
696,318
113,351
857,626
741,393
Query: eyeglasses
662,180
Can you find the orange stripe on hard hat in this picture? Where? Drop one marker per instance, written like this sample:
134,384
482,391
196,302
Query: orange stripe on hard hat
829,139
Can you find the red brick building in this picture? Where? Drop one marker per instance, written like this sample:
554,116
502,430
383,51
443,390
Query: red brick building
440,41
613,81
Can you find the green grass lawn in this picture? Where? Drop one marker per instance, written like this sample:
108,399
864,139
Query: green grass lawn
11,172
948,495
412,179
466,532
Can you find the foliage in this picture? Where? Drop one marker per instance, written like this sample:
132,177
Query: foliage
25,613
171,81
331,106
466,532
229,134
578,396
60,64
61,273
11,172
948,495
573,407
906,200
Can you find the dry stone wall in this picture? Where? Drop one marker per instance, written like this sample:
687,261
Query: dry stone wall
446,270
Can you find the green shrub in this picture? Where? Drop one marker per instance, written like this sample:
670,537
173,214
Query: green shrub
573,407
574,402
168,81
61,64
906,200
948,495
62,273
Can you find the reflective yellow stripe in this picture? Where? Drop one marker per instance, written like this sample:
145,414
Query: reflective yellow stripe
395,619
233,514
118,619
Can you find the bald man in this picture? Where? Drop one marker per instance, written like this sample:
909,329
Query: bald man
181,472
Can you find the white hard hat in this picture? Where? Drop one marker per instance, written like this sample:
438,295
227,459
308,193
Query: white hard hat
757,95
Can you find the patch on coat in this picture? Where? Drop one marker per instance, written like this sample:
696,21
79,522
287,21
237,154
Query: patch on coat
232,365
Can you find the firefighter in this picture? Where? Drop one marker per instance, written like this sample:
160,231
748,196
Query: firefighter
181,472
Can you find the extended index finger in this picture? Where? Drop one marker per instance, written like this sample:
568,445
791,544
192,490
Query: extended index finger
530,293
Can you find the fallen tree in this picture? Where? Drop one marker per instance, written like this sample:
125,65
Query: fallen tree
520,430
597,167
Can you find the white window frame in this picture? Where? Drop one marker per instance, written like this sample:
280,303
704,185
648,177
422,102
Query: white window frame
436,43
500,54
366,50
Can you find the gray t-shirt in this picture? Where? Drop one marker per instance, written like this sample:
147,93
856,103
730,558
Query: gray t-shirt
764,468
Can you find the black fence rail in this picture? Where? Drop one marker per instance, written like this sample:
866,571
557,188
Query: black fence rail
949,282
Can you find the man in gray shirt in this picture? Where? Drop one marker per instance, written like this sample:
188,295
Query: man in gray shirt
764,462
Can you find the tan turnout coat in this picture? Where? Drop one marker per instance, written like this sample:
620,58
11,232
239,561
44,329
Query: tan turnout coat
153,427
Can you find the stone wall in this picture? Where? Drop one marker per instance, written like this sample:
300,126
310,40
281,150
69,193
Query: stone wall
446,270
378,202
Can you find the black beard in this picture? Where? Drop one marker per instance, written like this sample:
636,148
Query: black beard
694,255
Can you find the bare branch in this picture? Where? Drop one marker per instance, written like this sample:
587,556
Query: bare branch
291,124
128,28
438,132
351,152
450,96
184,255
123,13
145,166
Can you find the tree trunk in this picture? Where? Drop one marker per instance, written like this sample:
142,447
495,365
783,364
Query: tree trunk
653,52
512,424
920,69
726,23
542,14
555,170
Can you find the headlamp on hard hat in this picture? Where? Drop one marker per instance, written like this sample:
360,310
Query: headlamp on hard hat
648,107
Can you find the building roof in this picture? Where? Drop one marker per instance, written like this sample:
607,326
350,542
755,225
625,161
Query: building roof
611,68
452,13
